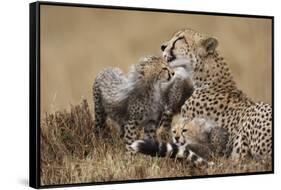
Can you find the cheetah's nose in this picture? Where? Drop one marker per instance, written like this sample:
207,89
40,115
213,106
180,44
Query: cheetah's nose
177,139
163,47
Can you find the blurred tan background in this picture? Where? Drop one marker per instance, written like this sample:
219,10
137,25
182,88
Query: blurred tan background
76,43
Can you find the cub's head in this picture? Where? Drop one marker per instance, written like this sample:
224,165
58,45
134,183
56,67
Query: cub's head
195,131
153,69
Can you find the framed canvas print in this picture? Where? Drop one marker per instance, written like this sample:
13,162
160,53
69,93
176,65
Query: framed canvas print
122,94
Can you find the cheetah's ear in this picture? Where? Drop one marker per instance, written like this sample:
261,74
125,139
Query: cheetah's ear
208,46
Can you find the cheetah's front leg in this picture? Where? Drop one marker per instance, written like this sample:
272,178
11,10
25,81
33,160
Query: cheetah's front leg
130,133
100,119
166,119
150,130
240,146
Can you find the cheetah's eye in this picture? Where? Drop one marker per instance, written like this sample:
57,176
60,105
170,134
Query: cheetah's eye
174,131
180,39
184,130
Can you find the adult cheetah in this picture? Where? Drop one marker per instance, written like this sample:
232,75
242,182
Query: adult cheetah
216,96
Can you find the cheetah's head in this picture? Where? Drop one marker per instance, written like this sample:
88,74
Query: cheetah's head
199,53
188,43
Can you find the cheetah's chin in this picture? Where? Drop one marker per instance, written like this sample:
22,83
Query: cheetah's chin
181,62
180,143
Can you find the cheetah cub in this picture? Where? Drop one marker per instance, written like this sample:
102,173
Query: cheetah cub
196,141
132,101
202,136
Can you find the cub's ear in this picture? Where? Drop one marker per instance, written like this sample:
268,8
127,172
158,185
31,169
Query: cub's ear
200,122
208,46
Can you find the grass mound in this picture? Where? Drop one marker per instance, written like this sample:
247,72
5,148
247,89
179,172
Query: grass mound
70,153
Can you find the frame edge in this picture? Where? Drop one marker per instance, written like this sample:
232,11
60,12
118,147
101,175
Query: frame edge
34,134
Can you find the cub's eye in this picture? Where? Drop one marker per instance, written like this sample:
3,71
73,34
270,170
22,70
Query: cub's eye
184,130
174,131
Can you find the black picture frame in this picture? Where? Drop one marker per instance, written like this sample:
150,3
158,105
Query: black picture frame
34,91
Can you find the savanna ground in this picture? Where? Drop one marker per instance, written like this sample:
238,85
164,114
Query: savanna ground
70,153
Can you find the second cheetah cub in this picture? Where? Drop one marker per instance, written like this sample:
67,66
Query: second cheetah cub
134,100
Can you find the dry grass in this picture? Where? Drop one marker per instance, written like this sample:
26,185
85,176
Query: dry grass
70,153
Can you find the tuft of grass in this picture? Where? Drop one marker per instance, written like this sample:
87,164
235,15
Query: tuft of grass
70,153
